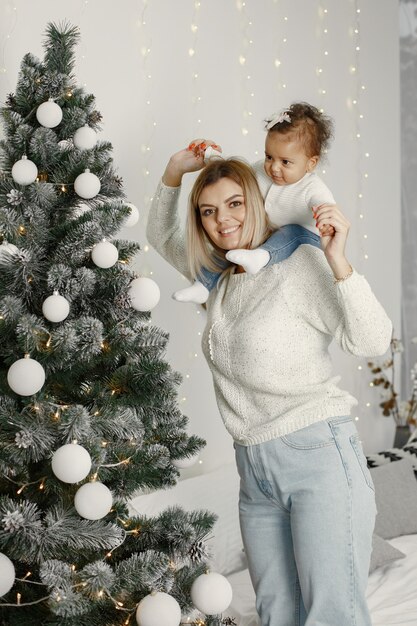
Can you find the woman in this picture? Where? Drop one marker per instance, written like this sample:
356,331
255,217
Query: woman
307,502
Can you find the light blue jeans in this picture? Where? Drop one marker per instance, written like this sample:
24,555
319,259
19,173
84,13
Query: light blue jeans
280,245
307,513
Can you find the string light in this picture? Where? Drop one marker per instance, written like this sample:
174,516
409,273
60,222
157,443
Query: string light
323,30
246,90
361,156
281,43
5,43
149,121
196,97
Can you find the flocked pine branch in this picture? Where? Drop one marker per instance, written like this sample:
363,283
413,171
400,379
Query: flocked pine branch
108,389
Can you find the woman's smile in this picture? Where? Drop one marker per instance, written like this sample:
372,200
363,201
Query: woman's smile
222,209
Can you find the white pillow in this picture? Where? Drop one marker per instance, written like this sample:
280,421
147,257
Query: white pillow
217,492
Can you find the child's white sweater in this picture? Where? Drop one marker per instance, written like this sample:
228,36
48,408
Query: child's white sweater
267,336
292,204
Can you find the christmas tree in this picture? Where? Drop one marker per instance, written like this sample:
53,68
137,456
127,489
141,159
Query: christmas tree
88,406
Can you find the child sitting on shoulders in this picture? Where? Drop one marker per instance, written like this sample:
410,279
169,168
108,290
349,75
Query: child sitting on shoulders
296,140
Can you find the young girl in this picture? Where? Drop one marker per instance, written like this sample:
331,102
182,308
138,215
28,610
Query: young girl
295,142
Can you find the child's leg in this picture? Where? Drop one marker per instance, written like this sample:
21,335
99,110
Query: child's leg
199,291
284,241
280,245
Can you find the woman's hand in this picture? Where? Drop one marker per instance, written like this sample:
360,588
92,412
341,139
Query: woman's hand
189,159
334,230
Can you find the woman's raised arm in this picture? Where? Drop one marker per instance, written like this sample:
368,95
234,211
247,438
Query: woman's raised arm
164,231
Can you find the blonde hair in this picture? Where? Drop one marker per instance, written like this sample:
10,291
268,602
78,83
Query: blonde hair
202,252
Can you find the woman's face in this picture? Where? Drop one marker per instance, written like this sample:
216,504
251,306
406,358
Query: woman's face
222,209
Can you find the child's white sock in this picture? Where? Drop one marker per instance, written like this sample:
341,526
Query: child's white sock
251,260
196,293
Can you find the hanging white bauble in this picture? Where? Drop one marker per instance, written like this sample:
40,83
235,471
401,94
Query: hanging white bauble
144,294
133,217
26,376
71,463
7,250
157,609
211,593
104,254
87,185
49,114
55,308
185,462
85,138
7,574
24,172
93,500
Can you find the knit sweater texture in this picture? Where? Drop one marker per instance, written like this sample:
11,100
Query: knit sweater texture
267,335
292,204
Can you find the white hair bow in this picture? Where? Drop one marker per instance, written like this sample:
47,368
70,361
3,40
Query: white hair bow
277,118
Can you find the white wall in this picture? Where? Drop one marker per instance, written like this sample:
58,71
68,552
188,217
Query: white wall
134,52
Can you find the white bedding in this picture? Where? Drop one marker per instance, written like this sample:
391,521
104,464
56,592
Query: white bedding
391,593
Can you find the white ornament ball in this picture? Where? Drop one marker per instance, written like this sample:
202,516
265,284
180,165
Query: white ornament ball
49,114
7,250
87,185
93,500
133,218
158,609
71,463
85,138
26,377
144,294
211,593
185,462
55,308
24,172
105,254
7,574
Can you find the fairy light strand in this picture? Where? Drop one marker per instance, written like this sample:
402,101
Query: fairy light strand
361,157
150,123
282,20
323,28
196,97
6,41
246,78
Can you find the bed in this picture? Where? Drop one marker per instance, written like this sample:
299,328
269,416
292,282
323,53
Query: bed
392,589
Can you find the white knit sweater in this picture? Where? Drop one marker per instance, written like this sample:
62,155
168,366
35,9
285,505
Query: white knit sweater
267,336
291,204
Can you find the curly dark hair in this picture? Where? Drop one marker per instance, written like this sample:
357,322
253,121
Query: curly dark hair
312,127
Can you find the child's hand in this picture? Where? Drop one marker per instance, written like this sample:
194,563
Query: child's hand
190,159
326,230
199,146
334,229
